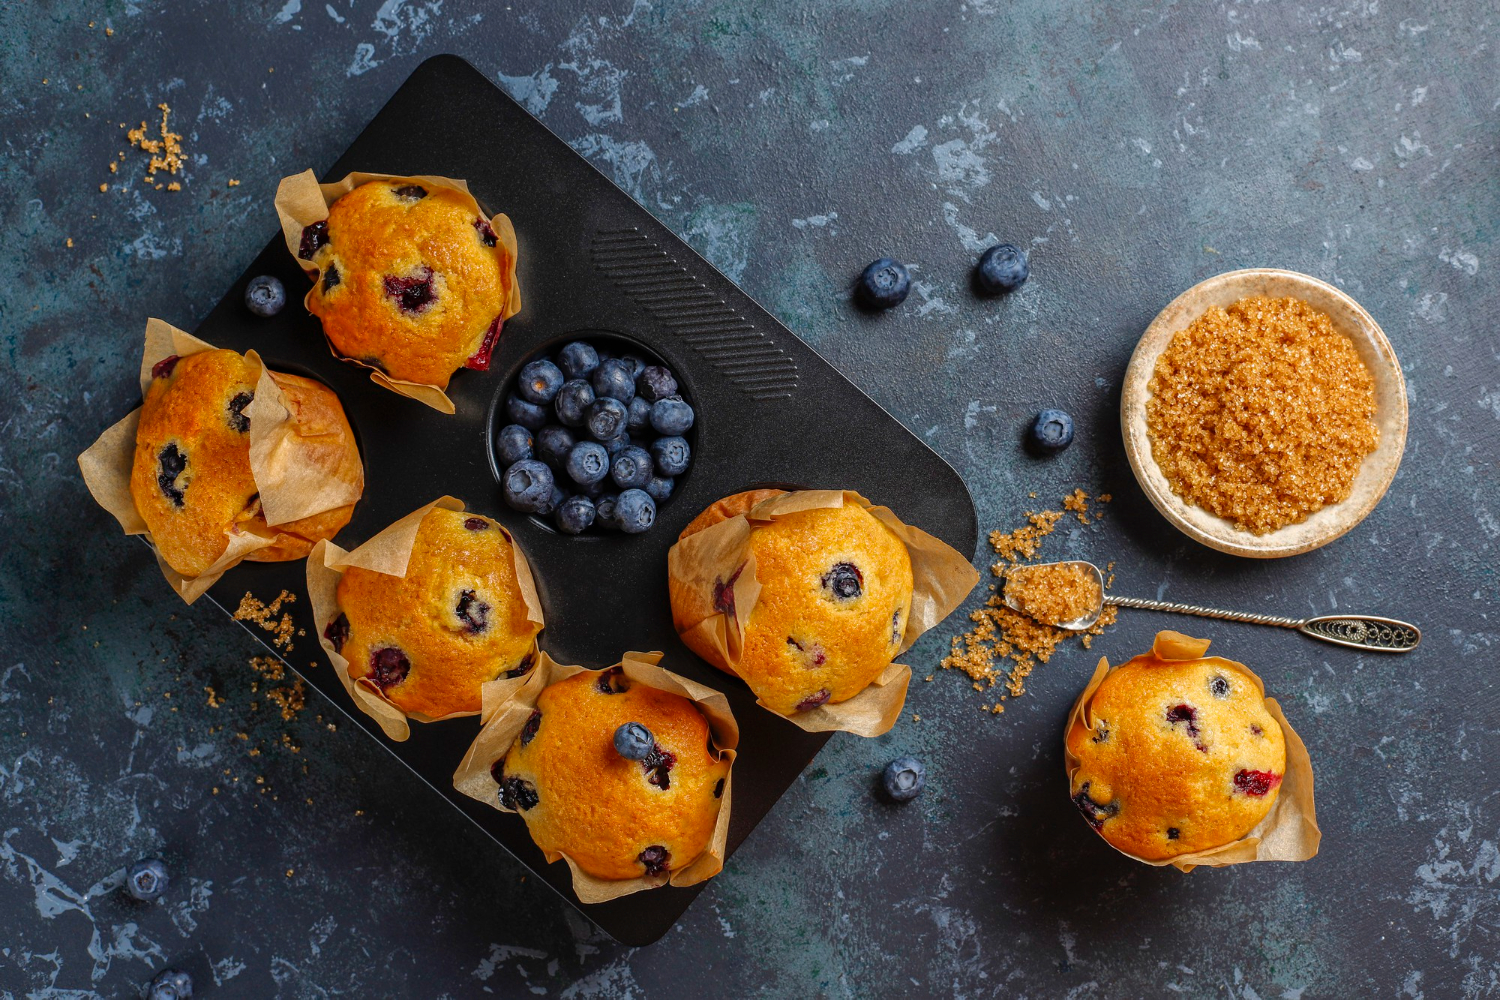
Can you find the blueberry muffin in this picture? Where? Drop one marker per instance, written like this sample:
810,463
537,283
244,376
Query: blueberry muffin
1176,756
191,479
431,639
835,595
411,280
620,777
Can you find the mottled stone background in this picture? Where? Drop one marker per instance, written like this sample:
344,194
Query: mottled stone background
1133,148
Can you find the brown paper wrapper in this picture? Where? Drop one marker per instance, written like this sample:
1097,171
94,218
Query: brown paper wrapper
301,201
1289,832
505,715
942,576
388,553
298,459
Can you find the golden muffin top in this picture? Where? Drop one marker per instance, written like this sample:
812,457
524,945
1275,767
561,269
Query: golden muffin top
616,818
836,587
412,281
191,478
1183,756
429,640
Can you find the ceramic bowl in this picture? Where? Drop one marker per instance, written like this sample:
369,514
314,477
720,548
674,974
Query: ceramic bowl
1375,473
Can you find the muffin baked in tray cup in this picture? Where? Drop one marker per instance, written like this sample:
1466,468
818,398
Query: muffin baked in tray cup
410,279
429,619
809,597
548,751
1184,737
274,461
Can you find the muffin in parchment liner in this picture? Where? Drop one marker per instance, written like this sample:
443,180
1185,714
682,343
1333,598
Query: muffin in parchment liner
809,597
224,461
427,619
410,279
547,751
1171,757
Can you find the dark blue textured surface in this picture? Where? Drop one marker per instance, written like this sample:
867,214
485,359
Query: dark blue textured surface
1130,150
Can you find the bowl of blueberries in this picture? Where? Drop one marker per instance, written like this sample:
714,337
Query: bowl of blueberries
592,437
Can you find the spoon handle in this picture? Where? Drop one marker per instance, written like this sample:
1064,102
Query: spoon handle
1381,635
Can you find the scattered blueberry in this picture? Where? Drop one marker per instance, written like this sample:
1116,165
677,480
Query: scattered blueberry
633,741
553,444
655,382
539,382
171,984
659,488
1053,430
671,455
578,360
574,515
527,485
635,511
631,468
147,879
671,416
588,462
604,510
639,420
607,419
512,444
528,415
573,402
1001,269
613,378
265,296
884,284
903,779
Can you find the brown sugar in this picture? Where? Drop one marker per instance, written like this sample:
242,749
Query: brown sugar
282,629
1261,413
1053,594
165,150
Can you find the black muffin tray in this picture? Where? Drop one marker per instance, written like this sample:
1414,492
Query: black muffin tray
592,263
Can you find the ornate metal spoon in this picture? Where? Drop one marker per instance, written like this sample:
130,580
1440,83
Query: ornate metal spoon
1380,635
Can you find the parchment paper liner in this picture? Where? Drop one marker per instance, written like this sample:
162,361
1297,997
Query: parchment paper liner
388,552
942,576
1289,832
291,487
301,201
506,713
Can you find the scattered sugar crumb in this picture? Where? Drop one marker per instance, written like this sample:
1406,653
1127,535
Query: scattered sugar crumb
166,150
251,609
233,182
70,241
103,188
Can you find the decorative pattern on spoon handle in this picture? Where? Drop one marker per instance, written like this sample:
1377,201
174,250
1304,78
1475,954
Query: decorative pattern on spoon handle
1201,612
1382,635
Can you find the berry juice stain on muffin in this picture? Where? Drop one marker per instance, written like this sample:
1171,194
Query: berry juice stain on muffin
457,619
616,816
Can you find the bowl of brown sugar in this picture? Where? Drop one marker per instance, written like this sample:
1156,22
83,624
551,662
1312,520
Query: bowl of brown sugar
1264,413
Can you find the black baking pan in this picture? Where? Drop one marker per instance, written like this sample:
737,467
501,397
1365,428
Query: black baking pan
593,263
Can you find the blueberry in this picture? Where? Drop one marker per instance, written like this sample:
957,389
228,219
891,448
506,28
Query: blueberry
265,296
1001,269
613,378
604,510
671,416
635,511
587,463
578,360
903,779
655,859
527,414
179,982
413,294
1053,431
607,419
573,402
553,444
884,284
633,741
539,382
527,485
635,364
844,581
171,464
574,515
631,468
639,419
615,445
671,455
659,488
554,500
655,382
314,238
388,667
147,879
236,415
512,444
